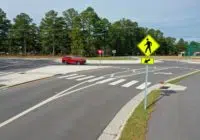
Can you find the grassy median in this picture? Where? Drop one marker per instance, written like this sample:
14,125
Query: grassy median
136,126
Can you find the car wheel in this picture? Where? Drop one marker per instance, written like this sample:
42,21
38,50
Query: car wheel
66,62
78,63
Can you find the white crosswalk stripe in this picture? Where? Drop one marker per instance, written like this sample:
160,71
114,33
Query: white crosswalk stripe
85,78
142,86
105,81
96,79
67,76
130,83
101,80
74,77
117,82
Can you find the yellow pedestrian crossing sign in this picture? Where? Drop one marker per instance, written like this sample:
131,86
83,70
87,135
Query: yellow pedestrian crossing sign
147,60
148,45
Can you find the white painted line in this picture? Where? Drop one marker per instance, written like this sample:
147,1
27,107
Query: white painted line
117,82
85,78
74,77
106,80
96,79
130,83
164,73
142,86
58,95
67,76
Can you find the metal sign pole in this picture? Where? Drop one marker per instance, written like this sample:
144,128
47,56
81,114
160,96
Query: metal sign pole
145,93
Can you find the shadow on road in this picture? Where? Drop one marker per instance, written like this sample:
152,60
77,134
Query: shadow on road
163,93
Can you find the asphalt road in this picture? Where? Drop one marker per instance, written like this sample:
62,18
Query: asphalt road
16,65
82,112
178,114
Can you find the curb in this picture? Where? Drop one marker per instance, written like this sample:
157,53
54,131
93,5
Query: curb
6,87
114,129
182,76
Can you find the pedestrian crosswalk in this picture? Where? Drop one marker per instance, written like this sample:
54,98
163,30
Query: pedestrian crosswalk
117,82
85,78
130,83
112,81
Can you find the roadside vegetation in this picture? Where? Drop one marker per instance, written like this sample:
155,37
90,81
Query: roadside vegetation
71,32
136,126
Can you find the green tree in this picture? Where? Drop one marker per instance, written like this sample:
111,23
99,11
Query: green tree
101,36
89,20
71,18
181,45
4,28
123,37
77,44
53,33
22,32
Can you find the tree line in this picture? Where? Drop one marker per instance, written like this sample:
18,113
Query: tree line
78,34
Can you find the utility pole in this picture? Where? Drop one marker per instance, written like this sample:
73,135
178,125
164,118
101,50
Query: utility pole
24,44
53,44
53,37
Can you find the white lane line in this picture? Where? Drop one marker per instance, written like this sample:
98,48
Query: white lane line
117,82
85,78
67,76
96,79
106,80
74,77
63,93
142,86
58,95
130,83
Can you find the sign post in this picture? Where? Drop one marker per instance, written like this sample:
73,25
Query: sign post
100,52
114,52
147,46
145,93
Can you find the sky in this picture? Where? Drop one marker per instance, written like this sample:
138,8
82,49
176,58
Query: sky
176,18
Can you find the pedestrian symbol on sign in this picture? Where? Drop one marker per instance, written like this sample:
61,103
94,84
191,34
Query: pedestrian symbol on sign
148,44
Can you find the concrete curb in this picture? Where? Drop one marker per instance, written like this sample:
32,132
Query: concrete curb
6,87
182,76
115,127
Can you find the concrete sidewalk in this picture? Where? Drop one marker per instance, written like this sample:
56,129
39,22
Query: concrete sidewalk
177,115
41,73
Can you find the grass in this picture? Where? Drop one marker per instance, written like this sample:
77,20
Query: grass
136,126
111,58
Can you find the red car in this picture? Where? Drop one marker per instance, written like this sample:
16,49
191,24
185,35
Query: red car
73,60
